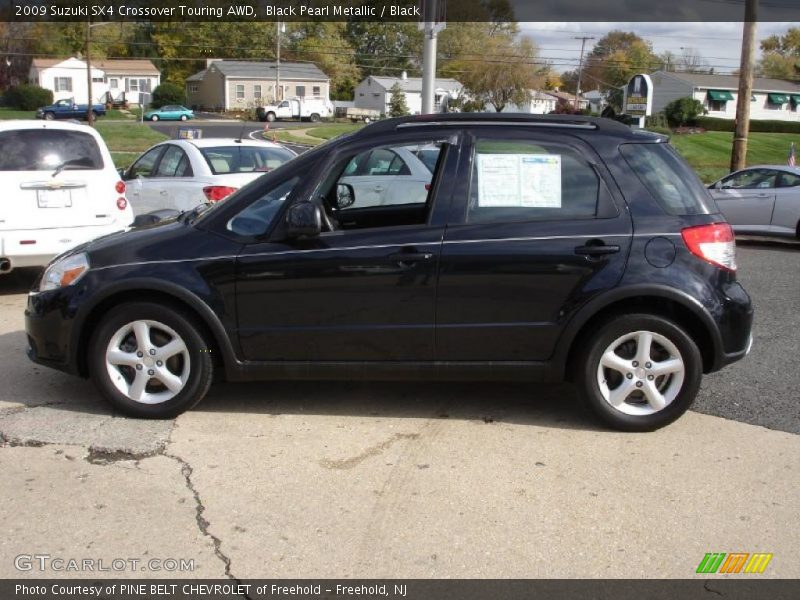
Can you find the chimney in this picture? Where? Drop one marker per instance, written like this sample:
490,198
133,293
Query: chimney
212,60
403,75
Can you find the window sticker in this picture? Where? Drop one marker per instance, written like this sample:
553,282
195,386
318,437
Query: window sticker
519,180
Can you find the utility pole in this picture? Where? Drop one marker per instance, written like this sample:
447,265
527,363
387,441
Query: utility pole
89,103
580,67
739,151
278,94
431,30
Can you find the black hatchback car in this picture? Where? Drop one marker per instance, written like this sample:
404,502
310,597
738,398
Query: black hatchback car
450,247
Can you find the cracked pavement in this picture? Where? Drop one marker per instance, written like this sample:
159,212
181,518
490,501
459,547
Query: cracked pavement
299,479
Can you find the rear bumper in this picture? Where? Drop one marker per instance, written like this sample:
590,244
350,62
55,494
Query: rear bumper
37,247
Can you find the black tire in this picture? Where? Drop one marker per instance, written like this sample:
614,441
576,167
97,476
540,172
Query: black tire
154,118
48,116
315,118
95,115
184,117
270,117
588,363
199,371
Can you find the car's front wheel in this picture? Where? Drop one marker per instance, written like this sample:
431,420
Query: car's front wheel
154,118
149,360
639,372
184,117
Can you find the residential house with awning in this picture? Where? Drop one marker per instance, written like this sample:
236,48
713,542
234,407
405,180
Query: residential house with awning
772,99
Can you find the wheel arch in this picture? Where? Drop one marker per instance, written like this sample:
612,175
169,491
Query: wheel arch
668,303
177,298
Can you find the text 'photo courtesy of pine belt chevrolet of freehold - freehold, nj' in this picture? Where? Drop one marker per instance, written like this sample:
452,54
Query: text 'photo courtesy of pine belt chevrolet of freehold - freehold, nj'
405,299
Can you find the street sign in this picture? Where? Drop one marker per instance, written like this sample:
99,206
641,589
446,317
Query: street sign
639,97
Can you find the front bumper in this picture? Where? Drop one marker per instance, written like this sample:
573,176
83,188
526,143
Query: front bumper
49,320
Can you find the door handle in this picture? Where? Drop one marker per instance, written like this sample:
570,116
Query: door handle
378,188
596,250
407,257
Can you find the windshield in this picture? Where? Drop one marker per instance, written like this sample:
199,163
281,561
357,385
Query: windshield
245,159
47,150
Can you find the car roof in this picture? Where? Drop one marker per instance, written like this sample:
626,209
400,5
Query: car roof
572,122
15,124
216,142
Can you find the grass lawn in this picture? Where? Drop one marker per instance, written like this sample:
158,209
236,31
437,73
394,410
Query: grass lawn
332,130
128,137
710,153
12,113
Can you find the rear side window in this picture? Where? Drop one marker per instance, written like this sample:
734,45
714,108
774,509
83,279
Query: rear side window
244,159
47,149
669,180
530,181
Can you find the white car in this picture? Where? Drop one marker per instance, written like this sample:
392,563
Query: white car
61,189
398,175
180,174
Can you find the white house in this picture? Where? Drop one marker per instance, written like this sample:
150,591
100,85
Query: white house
375,93
772,99
112,80
540,104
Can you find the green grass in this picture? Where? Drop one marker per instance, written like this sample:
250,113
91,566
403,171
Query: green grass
710,153
12,113
128,137
326,132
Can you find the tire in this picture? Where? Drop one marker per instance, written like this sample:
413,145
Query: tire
49,116
183,117
314,118
136,385
646,398
95,115
270,117
154,118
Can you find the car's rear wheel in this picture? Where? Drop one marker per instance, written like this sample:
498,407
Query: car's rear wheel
315,118
639,372
154,118
95,115
149,360
49,116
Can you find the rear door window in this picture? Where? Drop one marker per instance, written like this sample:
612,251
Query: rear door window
669,180
244,159
47,149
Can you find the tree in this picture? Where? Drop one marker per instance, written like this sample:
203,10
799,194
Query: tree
168,93
327,46
397,103
690,61
780,55
618,56
505,75
683,111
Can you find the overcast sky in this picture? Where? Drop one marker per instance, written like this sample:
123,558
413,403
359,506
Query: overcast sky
720,44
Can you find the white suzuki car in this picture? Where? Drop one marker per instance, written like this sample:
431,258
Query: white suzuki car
61,189
180,174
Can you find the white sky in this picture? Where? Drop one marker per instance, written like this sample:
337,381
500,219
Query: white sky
720,44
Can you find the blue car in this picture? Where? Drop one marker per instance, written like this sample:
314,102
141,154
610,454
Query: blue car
170,112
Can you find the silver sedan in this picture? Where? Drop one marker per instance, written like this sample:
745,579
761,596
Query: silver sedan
761,200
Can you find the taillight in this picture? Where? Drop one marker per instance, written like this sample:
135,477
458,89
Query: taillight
713,243
122,204
120,187
215,193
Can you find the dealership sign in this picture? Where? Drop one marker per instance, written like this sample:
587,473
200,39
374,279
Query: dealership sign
639,96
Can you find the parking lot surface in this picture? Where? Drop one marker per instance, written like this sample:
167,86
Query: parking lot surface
412,479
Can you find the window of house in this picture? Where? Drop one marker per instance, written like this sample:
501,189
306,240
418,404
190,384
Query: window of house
316,90
717,105
239,91
516,180
193,88
300,90
138,85
113,83
98,79
63,84
256,91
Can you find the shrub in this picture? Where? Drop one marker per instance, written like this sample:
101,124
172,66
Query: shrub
397,103
167,93
683,111
756,125
28,97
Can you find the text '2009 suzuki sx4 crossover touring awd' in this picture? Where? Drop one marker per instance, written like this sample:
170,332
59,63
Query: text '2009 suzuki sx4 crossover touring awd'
538,248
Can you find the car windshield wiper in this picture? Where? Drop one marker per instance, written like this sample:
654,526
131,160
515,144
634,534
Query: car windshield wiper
73,162
187,215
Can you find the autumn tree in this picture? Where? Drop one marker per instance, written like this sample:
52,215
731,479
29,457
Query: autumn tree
398,107
780,55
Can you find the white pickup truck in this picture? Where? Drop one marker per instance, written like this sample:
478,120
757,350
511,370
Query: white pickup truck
311,109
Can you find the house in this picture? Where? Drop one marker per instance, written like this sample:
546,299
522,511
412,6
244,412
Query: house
569,99
112,80
597,101
375,93
541,103
238,84
772,99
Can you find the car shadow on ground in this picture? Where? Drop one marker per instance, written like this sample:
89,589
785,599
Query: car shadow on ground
18,281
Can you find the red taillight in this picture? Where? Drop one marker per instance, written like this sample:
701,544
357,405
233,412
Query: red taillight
120,187
427,187
122,204
215,193
713,243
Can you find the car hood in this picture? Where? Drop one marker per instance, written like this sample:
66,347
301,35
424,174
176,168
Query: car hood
170,240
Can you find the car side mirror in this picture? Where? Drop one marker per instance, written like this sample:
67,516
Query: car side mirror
123,174
345,195
303,219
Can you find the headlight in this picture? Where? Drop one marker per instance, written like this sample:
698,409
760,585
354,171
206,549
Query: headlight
64,272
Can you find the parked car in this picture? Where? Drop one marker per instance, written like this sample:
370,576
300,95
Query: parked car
60,190
170,112
761,200
68,109
306,109
180,174
547,247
